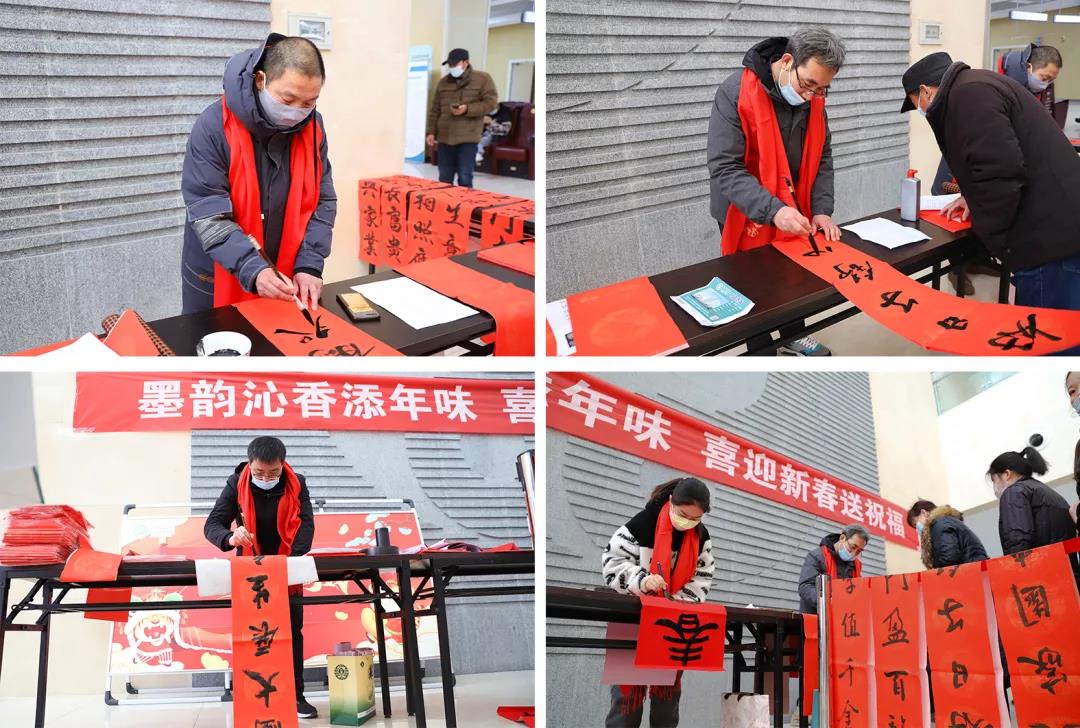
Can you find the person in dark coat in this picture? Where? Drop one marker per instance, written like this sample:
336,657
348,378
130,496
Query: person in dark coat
1031,514
1072,388
837,556
272,91
944,538
1035,67
1019,176
268,478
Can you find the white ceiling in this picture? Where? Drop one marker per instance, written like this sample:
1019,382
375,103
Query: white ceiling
1001,8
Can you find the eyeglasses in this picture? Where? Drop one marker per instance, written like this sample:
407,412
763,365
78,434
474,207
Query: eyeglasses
822,91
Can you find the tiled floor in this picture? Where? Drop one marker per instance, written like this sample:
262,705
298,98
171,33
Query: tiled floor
477,698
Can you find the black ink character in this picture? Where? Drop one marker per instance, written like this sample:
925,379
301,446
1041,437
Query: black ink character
951,571
855,271
964,720
689,640
1032,604
849,671
959,675
266,683
848,713
267,723
953,323
897,634
371,215
393,249
420,257
849,624
950,606
369,247
1047,663
319,332
263,637
1023,338
421,227
889,299
898,683
258,585
1021,557
455,213
450,246
894,724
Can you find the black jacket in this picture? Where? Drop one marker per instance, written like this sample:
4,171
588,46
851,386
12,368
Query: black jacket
1017,171
729,181
813,566
218,526
1032,515
947,541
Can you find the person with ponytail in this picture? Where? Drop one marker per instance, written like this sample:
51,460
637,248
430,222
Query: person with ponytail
1030,513
1072,388
270,505
664,550
838,556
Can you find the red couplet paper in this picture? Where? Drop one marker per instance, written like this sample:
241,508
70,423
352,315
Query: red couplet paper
440,221
264,692
811,664
525,714
593,409
903,693
961,638
384,204
515,256
310,333
623,319
505,224
45,349
935,320
851,657
129,338
510,306
934,217
89,565
678,635
1038,615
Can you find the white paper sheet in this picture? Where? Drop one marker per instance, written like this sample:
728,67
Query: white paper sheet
213,577
886,232
936,202
415,304
86,348
558,317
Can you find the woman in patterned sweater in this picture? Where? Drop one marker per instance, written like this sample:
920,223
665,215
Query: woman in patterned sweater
663,550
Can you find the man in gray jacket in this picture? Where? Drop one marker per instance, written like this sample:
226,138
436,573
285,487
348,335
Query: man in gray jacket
792,71
837,556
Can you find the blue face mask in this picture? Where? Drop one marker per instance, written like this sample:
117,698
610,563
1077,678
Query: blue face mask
456,71
1076,405
263,484
791,96
844,554
919,528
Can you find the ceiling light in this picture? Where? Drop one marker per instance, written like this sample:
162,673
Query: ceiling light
1025,15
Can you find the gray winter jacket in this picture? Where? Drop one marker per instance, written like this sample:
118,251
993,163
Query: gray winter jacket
729,181
210,235
814,566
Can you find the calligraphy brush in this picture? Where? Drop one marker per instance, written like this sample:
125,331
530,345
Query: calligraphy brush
810,235
660,573
299,304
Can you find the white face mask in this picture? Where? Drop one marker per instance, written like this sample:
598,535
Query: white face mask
920,109
456,71
264,484
280,114
1035,83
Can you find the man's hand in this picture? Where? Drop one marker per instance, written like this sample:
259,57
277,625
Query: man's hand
791,221
825,224
241,537
957,210
459,109
431,140
269,284
308,289
653,584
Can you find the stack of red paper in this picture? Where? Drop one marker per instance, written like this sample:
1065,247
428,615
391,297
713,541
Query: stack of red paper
41,535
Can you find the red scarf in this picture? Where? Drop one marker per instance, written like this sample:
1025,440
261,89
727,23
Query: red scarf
685,565
767,161
288,512
830,563
305,176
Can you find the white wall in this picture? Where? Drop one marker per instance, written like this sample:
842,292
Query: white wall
1000,419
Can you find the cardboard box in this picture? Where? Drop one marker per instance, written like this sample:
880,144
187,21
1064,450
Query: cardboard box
352,689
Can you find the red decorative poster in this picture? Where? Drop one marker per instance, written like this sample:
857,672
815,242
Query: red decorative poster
962,641
515,256
264,690
851,630
505,224
296,332
87,566
1038,613
623,319
384,204
171,640
129,338
678,635
902,689
157,402
935,320
934,217
440,221
590,408
811,663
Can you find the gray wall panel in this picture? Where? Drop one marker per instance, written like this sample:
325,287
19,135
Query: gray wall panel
630,87
96,103
823,419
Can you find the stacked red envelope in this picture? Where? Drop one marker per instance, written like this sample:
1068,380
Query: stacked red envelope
34,535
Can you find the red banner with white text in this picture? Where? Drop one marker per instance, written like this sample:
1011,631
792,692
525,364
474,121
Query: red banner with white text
592,409
179,401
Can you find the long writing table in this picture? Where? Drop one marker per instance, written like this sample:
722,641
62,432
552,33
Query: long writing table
769,630
182,333
47,594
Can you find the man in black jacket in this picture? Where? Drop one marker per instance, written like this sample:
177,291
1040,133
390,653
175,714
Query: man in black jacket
253,498
837,556
1019,176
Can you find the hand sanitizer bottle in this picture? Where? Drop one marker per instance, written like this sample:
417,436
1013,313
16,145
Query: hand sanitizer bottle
910,196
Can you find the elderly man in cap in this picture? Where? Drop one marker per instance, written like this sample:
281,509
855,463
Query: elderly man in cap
1019,177
456,117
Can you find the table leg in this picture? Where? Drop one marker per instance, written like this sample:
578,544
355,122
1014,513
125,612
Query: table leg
384,669
5,586
961,273
778,677
412,649
801,662
43,658
936,281
737,662
444,647
1003,285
